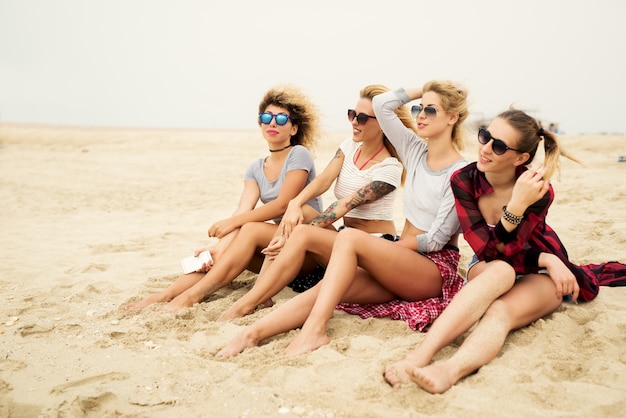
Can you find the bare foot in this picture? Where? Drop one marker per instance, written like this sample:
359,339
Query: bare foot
436,378
242,341
234,312
395,374
227,315
305,343
179,302
230,313
156,298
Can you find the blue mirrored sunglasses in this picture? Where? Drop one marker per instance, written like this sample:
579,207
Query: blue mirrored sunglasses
281,119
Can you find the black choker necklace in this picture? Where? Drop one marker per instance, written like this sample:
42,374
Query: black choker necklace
282,149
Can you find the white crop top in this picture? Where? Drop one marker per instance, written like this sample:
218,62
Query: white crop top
428,199
351,179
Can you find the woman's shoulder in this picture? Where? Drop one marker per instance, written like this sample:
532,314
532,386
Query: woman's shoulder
470,178
349,141
465,167
300,156
255,169
257,163
389,163
463,173
300,150
457,166
348,145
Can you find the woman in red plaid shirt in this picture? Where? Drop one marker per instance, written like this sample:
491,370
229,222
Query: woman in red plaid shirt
520,271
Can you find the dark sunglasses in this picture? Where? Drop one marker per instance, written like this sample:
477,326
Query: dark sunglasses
281,119
429,111
498,146
361,118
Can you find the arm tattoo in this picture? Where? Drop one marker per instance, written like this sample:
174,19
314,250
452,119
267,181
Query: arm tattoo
370,193
327,217
367,194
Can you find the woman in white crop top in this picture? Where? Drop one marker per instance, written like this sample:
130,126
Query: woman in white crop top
367,174
419,270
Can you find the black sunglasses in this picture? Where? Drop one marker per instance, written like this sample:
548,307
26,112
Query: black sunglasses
361,118
429,111
266,118
498,146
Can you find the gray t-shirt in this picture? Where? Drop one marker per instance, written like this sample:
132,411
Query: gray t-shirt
428,198
299,158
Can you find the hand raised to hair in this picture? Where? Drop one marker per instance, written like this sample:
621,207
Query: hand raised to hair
529,188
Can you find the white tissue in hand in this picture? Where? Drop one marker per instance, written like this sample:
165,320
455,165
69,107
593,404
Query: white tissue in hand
191,264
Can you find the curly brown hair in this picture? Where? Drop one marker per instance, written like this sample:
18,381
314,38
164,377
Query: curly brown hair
302,112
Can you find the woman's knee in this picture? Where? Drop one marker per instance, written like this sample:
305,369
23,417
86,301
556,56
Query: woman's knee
308,234
496,275
525,303
499,312
248,228
345,238
351,234
257,232
301,229
495,267
301,233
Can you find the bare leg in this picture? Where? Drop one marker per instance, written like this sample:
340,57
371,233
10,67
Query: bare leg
465,309
181,284
286,317
373,283
304,242
268,303
251,239
531,298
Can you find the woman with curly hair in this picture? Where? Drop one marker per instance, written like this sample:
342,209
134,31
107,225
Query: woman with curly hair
289,123
367,172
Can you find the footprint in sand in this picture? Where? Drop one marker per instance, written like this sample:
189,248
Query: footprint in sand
106,377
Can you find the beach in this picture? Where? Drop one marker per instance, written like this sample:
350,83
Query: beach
94,218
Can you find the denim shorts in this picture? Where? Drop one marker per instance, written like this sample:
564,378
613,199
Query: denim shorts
474,260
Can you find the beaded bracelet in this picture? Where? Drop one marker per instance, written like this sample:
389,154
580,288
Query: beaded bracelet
510,218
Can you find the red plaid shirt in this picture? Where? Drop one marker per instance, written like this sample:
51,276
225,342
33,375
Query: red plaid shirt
523,245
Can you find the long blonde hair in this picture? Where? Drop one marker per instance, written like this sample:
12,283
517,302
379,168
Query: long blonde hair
453,100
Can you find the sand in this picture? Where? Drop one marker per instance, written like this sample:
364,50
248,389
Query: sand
94,218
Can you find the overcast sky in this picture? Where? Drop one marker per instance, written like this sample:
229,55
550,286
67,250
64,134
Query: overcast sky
206,64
